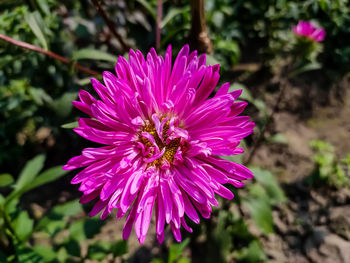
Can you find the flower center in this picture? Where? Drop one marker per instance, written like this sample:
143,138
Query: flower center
162,142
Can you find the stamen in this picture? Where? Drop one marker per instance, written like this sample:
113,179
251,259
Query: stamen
162,143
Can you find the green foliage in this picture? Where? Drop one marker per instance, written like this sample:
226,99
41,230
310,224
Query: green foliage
328,168
175,253
18,225
263,194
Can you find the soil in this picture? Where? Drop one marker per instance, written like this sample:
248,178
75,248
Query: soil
314,225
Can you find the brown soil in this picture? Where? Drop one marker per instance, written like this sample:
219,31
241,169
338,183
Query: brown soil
314,225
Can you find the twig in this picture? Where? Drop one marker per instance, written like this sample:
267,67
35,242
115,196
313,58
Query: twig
159,21
110,25
48,53
261,137
199,38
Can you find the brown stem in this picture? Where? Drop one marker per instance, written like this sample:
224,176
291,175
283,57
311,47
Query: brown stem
199,38
110,25
48,53
159,21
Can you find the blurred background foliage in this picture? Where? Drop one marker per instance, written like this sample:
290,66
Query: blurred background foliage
35,102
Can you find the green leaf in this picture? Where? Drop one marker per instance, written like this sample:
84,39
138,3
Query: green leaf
246,95
2,200
27,255
62,255
6,179
261,213
83,229
23,225
70,125
183,260
29,172
39,96
73,248
171,14
148,7
253,253
305,68
278,138
47,253
43,4
230,49
212,60
11,205
63,106
89,53
176,250
33,23
53,222
68,209
273,190
98,250
261,106
119,248
51,227
47,176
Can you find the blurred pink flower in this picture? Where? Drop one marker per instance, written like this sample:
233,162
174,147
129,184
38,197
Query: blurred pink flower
163,137
305,28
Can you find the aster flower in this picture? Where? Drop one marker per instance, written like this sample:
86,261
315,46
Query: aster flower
306,29
163,137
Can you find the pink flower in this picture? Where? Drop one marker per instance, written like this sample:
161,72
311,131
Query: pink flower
162,137
305,28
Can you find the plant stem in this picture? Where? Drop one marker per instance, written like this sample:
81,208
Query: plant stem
48,53
261,137
110,25
159,21
199,38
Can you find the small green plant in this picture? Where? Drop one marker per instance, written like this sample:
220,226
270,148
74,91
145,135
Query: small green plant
23,232
328,168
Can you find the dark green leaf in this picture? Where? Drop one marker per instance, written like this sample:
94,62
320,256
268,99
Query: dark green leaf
99,250
73,248
119,248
